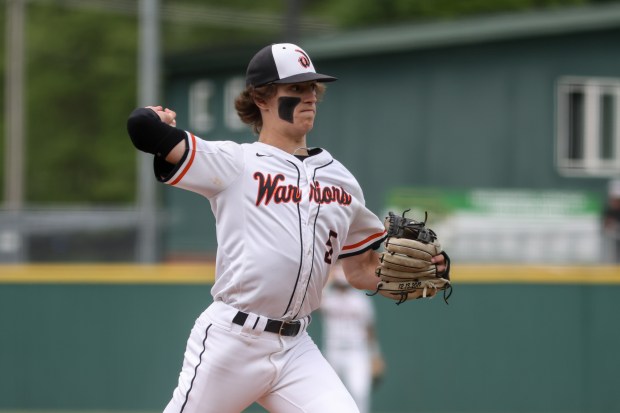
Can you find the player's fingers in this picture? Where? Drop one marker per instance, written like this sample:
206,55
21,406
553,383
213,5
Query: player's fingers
440,263
438,259
171,117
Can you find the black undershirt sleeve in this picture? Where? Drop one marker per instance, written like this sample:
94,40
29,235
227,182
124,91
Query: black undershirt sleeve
149,134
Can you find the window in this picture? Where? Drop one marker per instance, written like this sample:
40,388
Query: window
588,126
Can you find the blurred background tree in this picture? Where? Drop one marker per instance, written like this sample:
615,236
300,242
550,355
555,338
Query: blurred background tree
81,79
361,13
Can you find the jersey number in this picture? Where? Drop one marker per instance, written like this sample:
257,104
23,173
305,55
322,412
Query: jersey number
330,248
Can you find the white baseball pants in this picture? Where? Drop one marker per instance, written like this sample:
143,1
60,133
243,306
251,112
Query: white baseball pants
227,367
354,368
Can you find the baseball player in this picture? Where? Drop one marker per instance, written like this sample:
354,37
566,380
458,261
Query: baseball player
284,213
349,340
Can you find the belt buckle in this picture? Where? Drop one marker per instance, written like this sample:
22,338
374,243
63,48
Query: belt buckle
282,326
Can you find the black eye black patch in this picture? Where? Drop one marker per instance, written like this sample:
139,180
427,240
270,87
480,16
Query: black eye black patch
286,107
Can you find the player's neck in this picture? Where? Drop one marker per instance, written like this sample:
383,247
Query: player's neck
292,145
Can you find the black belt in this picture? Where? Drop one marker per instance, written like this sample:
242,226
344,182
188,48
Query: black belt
284,328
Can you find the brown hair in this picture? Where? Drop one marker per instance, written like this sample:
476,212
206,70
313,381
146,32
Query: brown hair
247,110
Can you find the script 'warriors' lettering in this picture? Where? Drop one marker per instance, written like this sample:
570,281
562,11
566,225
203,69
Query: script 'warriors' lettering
272,188
269,189
329,194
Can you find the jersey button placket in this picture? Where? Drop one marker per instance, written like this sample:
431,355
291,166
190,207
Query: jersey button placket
312,205
306,208
310,237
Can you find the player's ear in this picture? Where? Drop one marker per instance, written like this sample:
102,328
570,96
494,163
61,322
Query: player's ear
261,103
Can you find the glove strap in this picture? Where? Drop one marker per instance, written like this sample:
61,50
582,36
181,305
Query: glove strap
446,274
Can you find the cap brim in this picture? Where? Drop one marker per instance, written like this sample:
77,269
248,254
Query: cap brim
306,77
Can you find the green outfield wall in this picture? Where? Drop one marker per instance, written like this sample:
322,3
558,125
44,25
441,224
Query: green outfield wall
512,339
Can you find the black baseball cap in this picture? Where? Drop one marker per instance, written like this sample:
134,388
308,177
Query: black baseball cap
282,63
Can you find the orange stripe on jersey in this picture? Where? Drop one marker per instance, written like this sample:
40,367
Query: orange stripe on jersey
189,163
364,241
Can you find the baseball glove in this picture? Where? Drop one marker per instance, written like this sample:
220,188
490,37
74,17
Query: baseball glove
406,271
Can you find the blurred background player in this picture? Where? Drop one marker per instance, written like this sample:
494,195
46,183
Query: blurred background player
349,340
611,221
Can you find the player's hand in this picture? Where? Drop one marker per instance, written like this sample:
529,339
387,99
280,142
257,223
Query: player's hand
440,262
168,116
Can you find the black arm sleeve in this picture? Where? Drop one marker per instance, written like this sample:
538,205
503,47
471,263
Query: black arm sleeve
149,134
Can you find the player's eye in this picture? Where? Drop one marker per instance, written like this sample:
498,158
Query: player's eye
302,88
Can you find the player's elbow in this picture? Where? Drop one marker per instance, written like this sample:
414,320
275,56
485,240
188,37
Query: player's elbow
139,125
149,134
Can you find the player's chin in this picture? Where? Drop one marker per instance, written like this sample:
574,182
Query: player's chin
306,123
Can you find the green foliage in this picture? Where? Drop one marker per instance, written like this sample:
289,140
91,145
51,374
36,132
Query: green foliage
81,86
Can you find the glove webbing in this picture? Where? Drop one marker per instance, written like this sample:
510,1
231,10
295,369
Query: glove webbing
401,227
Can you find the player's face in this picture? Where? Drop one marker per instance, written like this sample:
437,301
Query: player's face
296,104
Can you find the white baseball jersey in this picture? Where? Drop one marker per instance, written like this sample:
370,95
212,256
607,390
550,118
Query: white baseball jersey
281,222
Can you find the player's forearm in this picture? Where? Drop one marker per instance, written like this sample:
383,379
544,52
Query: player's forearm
177,153
360,270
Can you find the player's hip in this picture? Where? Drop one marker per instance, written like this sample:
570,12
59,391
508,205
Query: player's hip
252,325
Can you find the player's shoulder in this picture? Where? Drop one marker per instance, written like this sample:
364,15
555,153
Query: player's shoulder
344,172
326,158
199,141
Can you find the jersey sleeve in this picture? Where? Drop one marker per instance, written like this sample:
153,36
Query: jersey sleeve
207,168
365,232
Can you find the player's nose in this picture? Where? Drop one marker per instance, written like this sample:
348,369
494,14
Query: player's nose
310,96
